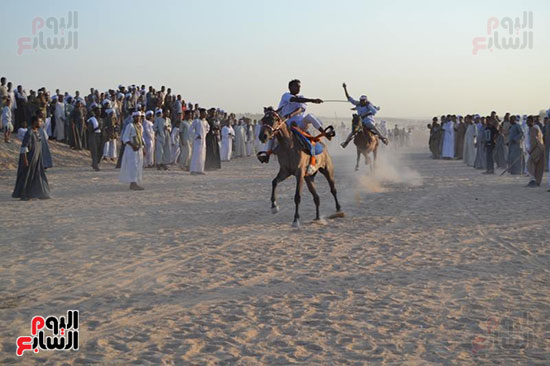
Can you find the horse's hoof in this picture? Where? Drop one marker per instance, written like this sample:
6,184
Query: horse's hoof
320,221
274,210
296,224
337,215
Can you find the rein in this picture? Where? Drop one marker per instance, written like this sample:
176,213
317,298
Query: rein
277,125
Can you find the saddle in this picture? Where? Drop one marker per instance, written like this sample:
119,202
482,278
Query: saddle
310,143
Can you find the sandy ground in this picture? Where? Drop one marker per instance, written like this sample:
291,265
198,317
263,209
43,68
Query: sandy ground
434,264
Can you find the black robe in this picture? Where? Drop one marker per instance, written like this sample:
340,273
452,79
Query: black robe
31,180
213,160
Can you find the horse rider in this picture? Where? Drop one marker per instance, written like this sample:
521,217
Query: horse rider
366,111
293,107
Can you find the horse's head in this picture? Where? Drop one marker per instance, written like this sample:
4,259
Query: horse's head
269,122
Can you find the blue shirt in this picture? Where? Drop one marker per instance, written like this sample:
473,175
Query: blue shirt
367,111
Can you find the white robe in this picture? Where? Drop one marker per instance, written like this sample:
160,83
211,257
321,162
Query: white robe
109,149
163,149
185,144
448,150
149,138
249,131
227,143
175,144
131,168
240,141
199,129
48,126
469,152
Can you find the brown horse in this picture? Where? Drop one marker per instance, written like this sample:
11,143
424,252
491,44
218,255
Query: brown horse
293,161
365,142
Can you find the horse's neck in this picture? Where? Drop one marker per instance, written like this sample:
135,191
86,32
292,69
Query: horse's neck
285,137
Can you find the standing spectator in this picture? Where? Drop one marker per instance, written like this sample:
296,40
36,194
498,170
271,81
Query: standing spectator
185,141
7,119
94,139
536,153
491,134
59,115
515,151
3,90
199,129
22,111
149,139
131,169
31,176
212,142
469,154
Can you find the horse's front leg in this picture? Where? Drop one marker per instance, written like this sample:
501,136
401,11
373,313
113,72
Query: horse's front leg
358,159
279,178
297,199
313,190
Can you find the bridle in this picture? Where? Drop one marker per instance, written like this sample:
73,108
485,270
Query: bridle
279,122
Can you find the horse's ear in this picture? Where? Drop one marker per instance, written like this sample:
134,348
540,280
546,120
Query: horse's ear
265,109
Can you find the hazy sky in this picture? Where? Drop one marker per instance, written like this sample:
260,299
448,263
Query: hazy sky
413,58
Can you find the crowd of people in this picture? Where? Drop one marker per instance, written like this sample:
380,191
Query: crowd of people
518,144
134,126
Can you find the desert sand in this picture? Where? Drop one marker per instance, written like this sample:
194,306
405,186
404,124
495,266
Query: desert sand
434,264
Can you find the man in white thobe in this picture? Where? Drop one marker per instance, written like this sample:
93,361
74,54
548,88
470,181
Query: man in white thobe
162,129
240,139
448,151
249,138
59,114
469,154
227,142
199,129
175,144
149,138
185,141
131,169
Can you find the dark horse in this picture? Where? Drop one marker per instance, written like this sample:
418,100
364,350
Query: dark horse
293,160
365,142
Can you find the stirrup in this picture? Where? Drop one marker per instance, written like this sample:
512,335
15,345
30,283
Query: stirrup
329,132
263,157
